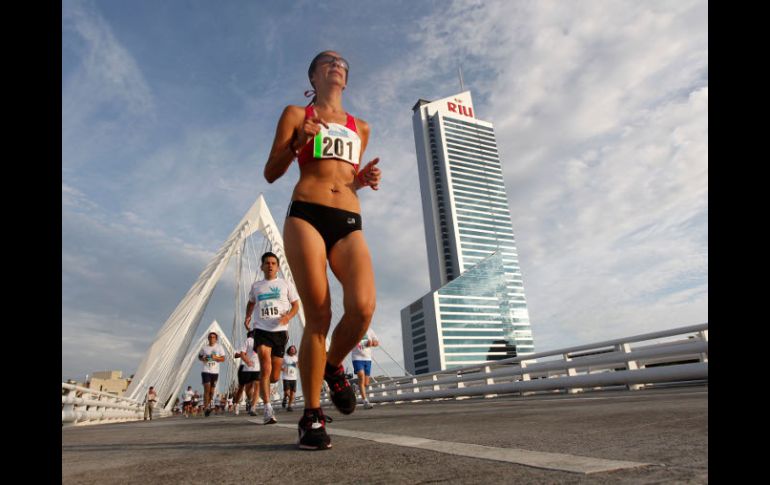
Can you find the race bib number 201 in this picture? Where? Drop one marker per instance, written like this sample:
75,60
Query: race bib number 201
337,142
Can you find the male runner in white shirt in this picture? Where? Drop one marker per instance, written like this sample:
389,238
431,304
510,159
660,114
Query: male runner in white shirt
274,301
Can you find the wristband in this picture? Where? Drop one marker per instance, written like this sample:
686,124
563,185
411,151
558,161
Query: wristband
295,151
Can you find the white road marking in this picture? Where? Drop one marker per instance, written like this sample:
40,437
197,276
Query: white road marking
537,459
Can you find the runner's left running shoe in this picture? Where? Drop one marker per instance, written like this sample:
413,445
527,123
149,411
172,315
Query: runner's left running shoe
312,431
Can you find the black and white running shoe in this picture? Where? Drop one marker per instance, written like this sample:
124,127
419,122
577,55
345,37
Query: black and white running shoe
341,392
312,431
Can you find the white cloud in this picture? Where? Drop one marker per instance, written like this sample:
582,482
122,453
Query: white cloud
109,71
106,101
98,342
120,281
601,116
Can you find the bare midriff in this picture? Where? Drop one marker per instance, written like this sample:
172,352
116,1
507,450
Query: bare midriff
328,182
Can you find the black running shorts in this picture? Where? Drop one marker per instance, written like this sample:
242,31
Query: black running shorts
247,377
290,384
275,340
209,378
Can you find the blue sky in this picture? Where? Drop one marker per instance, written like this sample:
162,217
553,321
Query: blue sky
600,111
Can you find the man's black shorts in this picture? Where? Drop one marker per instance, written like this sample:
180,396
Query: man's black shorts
209,378
275,340
290,384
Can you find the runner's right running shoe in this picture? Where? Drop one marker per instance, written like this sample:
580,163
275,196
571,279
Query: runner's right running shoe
269,417
340,391
312,431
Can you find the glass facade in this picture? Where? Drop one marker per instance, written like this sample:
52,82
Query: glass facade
484,326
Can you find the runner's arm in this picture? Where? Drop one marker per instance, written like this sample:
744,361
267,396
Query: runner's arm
249,309
369,175
282,152
290,314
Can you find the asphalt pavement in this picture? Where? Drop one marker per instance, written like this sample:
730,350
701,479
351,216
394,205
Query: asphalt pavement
646,436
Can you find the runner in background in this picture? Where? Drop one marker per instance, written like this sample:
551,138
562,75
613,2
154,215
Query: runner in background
187,401
248,376
210,355
289,377
362,362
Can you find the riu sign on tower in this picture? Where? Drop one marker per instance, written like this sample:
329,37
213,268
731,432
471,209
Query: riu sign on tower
459,108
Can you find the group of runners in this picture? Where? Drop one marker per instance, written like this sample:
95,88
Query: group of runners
190,404
273,301
323,227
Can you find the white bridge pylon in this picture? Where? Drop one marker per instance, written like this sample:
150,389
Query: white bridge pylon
164,364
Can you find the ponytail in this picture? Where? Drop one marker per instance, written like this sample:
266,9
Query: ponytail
311,92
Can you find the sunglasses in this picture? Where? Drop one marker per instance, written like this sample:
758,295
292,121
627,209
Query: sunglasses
328,59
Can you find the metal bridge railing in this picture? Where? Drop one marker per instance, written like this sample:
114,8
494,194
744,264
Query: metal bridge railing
81,405
634,362
596,366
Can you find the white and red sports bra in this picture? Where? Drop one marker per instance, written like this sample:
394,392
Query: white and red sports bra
339,142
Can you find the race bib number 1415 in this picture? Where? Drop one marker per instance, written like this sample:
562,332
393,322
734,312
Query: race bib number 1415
267,312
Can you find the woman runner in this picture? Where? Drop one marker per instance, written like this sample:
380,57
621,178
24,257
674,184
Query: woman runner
324,224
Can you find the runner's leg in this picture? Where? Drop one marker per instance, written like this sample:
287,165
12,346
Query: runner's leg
306,254
265,364
362,382
352,265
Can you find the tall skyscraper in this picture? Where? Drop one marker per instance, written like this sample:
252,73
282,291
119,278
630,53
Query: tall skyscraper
476,310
